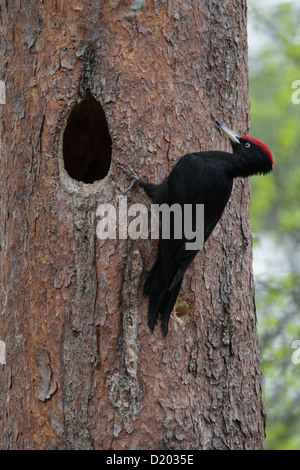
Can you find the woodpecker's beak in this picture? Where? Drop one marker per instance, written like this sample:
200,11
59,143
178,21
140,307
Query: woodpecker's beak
233,137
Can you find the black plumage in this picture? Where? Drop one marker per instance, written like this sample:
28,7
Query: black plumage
197,178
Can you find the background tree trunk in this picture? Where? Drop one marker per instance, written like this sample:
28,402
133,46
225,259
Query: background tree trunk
82,369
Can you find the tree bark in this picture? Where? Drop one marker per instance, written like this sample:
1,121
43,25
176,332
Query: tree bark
82,370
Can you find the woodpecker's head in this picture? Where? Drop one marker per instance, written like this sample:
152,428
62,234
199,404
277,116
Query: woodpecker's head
254,155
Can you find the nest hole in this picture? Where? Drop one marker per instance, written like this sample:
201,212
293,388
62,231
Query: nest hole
182,311
86,142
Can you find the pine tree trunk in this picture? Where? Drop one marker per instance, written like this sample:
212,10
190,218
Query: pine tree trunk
82,370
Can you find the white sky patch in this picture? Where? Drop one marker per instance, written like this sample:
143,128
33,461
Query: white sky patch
270,259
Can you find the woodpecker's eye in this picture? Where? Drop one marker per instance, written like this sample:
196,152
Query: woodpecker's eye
247,145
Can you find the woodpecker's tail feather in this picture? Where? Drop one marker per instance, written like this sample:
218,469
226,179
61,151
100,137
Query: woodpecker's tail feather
154,290
161,299
167,305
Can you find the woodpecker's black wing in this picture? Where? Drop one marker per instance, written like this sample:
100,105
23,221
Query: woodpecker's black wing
206,181
197,178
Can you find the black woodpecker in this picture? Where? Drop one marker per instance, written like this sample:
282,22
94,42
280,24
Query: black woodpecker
197,178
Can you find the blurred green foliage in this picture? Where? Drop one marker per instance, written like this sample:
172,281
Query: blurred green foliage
275,119
276,213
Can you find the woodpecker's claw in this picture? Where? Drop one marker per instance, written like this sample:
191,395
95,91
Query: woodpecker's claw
132,174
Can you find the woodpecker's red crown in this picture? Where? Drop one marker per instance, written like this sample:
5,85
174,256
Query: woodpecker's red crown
261,145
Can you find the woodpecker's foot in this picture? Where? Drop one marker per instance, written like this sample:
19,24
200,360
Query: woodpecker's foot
132,174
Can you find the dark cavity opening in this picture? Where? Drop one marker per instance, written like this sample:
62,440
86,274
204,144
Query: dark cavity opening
86,142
